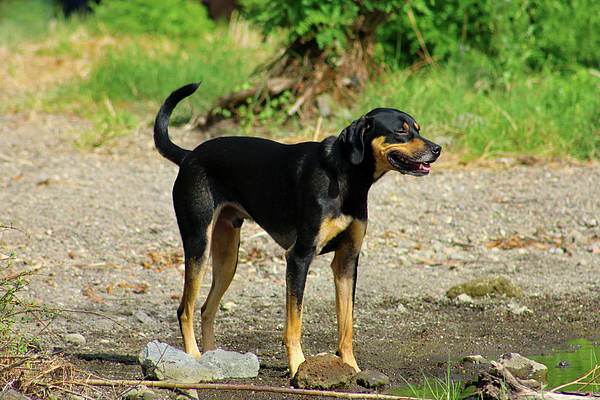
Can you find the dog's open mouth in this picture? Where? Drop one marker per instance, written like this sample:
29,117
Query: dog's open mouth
409,167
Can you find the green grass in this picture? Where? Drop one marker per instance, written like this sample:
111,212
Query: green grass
433,388
128,84
552,113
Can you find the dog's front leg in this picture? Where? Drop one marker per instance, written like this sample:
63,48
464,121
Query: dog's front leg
297,270
344,266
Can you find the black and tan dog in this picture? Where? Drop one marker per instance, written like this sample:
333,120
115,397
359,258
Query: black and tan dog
310,197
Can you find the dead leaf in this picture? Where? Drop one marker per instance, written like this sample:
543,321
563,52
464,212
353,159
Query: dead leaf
141,288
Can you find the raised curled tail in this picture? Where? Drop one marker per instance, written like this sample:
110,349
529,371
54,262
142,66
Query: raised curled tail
168,149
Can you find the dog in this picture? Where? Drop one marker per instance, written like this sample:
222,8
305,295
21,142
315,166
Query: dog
310,197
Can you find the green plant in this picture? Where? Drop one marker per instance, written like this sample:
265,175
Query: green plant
21,20
515,33
10,306
478,109
330,23
436,388
182,19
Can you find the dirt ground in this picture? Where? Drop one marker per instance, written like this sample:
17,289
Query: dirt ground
105,250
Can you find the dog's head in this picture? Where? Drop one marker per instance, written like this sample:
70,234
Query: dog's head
394,140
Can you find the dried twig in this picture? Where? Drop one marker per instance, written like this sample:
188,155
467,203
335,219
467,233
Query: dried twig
235,387
579,381
17,364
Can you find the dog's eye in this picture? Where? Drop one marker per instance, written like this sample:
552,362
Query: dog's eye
402,133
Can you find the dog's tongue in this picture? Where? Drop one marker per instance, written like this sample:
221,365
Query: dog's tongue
424,167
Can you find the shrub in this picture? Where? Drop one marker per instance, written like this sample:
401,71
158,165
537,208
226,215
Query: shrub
171,18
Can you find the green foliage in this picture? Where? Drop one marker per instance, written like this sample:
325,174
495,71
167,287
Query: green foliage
434,388
330,22
170,18
10,307
129,83
516,32
24,19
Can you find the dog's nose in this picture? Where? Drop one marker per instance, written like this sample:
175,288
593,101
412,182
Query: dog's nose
436,150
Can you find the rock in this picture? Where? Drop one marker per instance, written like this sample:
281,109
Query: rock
525,369
10,394
517,309
230,305
574,238
163,362
187,394
498,285
594,248
74,339
476,359
464,299
404,261
401,309
140,393
372,379
564,364
324,371
143,317
229,364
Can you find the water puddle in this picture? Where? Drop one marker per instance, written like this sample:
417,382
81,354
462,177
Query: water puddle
581,357
564,366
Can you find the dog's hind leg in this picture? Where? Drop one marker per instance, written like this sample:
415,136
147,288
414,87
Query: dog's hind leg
225,245
196,263
344,266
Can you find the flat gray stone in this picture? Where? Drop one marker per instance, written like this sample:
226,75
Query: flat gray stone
574,238
475,359
74,339
524,368
163,362
372,379
140,393
229,364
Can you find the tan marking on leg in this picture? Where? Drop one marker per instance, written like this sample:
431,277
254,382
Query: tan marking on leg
224,247
292,334
191,286
342,266
330,228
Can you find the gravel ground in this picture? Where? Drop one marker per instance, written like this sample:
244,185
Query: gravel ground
103,243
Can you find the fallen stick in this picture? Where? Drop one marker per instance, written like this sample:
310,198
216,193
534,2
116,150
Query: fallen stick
235,387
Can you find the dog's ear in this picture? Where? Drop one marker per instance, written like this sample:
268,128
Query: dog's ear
351,138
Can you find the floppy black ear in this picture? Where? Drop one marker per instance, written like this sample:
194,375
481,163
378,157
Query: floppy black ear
352,140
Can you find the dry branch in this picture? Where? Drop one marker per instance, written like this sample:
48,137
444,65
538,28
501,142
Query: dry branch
270,87
234,387
500,384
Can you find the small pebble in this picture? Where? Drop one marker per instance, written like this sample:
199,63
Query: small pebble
75,339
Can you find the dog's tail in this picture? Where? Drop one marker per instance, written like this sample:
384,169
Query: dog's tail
168,149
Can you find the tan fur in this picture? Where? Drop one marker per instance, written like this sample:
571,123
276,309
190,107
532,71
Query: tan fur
382,149
330,228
